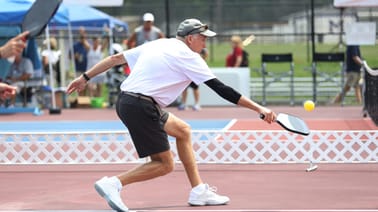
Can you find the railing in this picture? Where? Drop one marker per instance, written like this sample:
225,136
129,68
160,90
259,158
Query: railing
280,92
214,146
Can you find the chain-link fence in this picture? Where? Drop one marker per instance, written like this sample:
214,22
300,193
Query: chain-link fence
285,18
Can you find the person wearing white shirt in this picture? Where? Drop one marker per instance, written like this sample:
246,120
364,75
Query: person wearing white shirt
52,56
94,56
20,71
11,49
145,33
160,71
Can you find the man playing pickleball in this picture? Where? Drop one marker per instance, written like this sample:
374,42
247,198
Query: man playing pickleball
160,71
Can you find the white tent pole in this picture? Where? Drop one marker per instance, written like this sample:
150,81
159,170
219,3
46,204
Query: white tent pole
71,51
62,64
50,69
110,40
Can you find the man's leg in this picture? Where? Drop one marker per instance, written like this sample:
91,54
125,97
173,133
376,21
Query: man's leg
341,95
109,188
91,89
181,131
99,90
160,164
184,95
196,95
357,90
200,194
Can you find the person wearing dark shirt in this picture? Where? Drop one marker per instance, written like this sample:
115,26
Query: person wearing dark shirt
353,73
81,49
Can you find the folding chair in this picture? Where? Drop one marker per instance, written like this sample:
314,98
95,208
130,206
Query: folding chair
274,77
327,77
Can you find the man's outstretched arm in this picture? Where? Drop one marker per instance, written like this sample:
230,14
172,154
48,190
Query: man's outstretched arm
235,97
79,83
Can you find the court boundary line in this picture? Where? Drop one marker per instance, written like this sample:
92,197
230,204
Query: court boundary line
262,210
230,124
212,210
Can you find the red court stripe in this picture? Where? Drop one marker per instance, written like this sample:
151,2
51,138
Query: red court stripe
318,124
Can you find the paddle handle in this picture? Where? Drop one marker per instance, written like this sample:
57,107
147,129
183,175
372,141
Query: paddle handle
262,116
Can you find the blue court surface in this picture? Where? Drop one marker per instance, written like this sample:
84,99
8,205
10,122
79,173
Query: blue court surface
98,126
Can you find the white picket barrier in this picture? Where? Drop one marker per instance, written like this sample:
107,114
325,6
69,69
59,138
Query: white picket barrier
240,147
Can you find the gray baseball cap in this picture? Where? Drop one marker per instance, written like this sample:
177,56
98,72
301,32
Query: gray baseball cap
194,26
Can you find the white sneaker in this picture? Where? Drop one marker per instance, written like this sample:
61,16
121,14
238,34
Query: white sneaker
207,197
181,107
109,191
196,107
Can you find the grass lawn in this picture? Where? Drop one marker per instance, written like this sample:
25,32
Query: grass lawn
300,54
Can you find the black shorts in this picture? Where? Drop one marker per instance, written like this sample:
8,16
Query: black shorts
145,121
193,85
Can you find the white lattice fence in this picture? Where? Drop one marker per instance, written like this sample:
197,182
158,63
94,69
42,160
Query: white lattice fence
209,146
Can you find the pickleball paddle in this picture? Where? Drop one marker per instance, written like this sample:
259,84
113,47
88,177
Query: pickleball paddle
291,123
38,16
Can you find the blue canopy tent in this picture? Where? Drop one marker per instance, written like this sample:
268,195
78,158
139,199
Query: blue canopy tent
12,13
93,18
67,16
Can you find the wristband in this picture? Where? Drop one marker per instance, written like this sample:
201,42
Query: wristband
86,77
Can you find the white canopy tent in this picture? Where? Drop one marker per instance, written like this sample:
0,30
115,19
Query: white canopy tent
355,3
361,33
97,3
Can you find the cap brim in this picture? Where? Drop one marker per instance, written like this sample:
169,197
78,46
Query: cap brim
208,33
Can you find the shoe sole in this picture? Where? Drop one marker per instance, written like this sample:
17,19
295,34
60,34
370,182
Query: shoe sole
199,203
109,201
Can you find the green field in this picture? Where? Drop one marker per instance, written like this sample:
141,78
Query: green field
299,51
300,54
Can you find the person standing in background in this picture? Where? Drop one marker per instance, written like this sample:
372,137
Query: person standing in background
80,55
94,56
52,56
145,33
20,71
235,58
11,48
353,74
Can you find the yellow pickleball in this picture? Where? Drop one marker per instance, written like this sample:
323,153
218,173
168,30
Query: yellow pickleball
309,105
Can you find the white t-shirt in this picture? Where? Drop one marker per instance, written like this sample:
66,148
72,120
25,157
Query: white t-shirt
163,68
93,56
52,55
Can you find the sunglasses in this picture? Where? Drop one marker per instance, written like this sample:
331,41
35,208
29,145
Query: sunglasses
198,29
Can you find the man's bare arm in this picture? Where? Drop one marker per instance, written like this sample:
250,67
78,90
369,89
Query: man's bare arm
106,64
357,60
79,83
